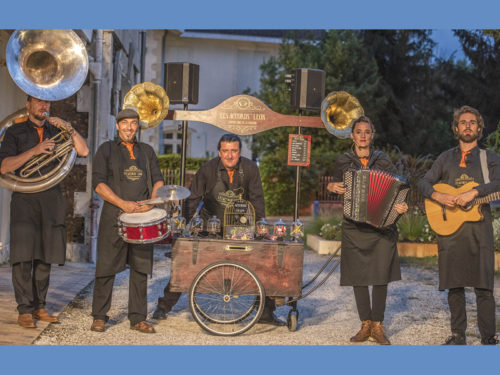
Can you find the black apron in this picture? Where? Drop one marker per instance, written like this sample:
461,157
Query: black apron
466,257
216,200
37,227
113,254
369,255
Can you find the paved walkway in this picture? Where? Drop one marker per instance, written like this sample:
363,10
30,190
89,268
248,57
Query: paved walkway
65,283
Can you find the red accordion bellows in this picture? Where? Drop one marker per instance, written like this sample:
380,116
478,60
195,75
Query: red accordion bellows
371,196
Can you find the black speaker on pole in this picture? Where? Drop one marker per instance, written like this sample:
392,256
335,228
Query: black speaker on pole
307,89
181,82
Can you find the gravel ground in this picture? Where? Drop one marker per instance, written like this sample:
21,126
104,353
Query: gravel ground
416,314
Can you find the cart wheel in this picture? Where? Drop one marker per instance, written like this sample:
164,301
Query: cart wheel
292,321
226,298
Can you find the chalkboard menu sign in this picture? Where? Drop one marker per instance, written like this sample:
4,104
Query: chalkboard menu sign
299,150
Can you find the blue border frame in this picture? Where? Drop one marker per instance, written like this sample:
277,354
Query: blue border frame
311,14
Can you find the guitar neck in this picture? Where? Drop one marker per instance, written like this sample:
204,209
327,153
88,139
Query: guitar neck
486,199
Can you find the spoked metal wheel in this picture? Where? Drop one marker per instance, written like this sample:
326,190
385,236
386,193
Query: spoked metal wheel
226,298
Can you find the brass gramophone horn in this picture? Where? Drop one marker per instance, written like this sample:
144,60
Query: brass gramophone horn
338,109
150,101
49,65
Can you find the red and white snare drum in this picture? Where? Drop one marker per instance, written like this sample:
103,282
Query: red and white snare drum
143,227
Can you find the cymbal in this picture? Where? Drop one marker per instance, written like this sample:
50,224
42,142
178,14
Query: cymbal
173,192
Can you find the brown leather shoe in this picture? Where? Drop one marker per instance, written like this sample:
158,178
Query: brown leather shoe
143,327
364,332
378,335
98,325
26,321
43,315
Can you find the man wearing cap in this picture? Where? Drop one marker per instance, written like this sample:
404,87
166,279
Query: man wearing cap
37,226
124,173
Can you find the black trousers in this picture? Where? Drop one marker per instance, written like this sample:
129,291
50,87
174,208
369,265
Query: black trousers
169,299
374,311
485,311
31,283
137,297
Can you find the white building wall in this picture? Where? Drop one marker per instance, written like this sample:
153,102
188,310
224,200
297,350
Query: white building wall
228,66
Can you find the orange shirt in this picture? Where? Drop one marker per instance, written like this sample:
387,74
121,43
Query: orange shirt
364,161
462,161
130,148
39,129
231,175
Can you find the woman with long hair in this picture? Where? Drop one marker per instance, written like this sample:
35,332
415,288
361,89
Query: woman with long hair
369,255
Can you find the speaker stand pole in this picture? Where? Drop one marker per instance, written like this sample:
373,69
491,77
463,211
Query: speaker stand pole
297,181
183,152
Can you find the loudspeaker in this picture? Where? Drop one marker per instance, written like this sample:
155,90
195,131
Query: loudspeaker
307,89
181,82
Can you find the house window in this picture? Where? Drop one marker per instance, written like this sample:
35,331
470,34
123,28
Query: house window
172,142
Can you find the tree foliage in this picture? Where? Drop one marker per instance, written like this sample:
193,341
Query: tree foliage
407,91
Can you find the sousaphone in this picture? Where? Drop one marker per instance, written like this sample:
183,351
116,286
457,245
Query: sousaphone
49,65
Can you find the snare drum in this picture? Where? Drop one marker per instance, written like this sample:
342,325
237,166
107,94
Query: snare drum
143,227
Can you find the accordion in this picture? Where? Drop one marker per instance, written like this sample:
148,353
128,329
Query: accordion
371,195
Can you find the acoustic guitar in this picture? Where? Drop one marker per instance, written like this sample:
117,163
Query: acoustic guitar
447,220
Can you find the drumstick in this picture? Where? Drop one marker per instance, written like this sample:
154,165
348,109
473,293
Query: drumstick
156,200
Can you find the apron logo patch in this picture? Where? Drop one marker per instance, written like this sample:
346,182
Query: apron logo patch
462,180
133,173
225,197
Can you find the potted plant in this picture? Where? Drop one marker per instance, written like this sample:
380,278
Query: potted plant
416,238
324,235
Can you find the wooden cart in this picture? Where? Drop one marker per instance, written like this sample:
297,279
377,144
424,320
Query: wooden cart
228,280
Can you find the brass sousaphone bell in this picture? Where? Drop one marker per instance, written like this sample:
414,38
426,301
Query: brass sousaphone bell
150,101
49,65
338,110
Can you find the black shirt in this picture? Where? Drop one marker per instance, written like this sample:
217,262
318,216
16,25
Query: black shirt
102,171
206,178
23,136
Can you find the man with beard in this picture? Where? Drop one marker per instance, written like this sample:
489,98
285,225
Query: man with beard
124,173
466,257
37,227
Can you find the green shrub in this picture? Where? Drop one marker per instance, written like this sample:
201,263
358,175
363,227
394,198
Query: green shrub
414,227
329,228
173,161
496,233
331,232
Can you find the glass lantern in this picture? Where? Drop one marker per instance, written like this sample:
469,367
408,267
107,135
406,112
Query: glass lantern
213,226
177,225
262,228
279,229
297,231
196,225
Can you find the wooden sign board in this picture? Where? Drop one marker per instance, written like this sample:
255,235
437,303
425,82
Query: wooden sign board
244,115
299,150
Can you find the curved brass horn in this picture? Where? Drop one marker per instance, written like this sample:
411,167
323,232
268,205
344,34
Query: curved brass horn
150,101
48,65
338,110
31,179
